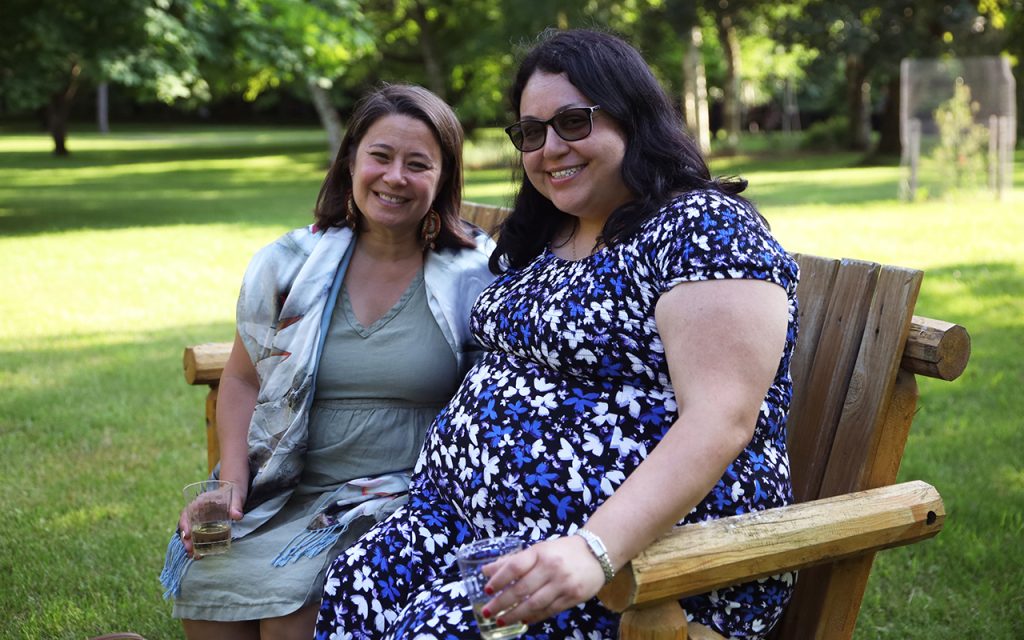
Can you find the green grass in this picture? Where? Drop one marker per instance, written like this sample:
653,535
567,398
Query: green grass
117,257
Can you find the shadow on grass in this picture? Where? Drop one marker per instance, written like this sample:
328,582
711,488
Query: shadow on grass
966,441
159,152
796,192
172,183
787,161
985,279
180,195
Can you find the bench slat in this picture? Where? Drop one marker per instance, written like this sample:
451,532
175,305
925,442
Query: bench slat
817,406
817,276
855,448
828,597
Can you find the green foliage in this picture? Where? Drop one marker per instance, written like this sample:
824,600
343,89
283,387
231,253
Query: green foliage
142,43
826,135
293,42
963,143
166,63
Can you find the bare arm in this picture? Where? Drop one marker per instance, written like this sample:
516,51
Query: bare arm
723,342
236,400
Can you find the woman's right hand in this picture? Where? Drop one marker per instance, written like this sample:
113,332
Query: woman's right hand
238,496
185,533
236,400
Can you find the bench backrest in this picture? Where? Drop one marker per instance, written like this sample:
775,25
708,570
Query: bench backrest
848,421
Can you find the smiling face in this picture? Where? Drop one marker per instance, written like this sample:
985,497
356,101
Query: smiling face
396,174
584,177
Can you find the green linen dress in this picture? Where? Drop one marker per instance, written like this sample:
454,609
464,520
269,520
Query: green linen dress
378,389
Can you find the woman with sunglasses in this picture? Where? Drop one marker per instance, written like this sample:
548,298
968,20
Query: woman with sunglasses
640,333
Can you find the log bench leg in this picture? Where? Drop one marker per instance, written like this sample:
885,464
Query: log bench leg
664,621
212,443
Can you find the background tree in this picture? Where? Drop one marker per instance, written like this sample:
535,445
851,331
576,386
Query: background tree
456,48
304,46
49,49
865,40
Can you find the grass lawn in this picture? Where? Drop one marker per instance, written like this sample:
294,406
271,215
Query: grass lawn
117,257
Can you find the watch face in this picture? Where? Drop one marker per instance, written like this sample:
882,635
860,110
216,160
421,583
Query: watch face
597,548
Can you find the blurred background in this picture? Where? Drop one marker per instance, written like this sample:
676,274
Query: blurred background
149,147
736,67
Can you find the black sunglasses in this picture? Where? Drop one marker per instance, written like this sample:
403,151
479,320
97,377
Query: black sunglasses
570,125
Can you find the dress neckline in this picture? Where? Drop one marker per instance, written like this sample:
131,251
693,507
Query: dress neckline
403,300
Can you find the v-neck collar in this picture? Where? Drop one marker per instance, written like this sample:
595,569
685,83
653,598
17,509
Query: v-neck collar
366,332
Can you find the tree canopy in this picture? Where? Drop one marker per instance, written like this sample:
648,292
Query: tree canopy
187,52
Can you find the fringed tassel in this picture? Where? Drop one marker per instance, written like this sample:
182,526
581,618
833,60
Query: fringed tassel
314,541
176,565
310,543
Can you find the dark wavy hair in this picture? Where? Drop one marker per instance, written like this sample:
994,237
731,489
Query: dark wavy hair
415,102
660,159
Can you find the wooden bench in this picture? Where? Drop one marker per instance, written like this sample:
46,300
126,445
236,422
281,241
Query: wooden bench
855,394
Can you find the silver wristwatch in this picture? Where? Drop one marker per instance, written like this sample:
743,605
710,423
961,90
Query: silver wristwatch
600,552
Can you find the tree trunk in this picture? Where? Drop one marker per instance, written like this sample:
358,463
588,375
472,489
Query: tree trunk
731,91
695,92
431,62
103,108
58,110
889,142
329,118
857,104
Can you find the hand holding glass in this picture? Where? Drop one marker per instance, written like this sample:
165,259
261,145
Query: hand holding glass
207,504
472,557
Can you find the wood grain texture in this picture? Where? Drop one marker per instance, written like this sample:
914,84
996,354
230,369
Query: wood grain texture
203,363
818,405
700,557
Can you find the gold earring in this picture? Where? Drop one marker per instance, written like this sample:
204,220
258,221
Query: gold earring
431,228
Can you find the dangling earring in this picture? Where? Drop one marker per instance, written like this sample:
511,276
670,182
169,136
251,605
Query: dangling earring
431,228
351,217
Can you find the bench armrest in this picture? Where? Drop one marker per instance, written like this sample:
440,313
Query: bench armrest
699,557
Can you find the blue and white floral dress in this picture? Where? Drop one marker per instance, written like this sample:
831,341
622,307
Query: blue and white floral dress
573,395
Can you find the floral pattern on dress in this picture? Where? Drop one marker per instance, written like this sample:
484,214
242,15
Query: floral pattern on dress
573,395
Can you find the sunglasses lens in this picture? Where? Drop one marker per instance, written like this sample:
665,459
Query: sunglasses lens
573,124
533,134
515,134
570,125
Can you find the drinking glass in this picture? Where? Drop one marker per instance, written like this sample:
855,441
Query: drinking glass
471,558
207,503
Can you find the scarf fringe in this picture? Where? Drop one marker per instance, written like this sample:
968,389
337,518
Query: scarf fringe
310,543
176,565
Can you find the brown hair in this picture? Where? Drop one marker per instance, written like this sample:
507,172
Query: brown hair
415,102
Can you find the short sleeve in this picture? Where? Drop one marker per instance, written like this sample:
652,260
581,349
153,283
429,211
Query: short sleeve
706,235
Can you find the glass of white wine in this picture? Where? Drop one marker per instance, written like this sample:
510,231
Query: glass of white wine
472,557
208,503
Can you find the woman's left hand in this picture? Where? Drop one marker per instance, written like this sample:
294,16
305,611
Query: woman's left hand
541,581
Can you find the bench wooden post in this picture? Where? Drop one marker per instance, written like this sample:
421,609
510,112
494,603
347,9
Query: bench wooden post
203,364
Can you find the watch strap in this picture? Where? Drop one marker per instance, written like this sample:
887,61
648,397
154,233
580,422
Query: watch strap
600,552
